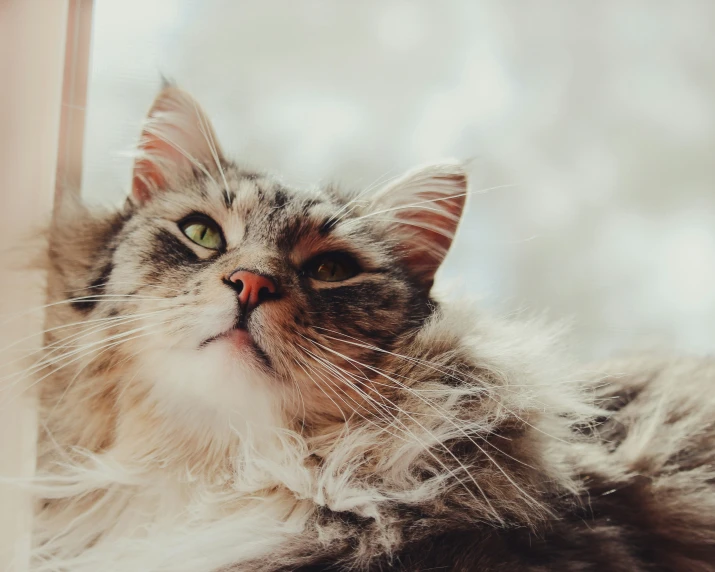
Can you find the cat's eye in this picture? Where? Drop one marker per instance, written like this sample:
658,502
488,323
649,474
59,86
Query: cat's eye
332,267
203,231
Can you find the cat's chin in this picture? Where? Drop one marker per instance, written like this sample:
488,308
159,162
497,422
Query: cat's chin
240,339
222,385
245,347
242,345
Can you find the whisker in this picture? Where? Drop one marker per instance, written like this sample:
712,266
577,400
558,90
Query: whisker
123,283
462,377
150,128
110,319
104,350
419,205
402,426
382,179
205,130
438,199
434,437
86,354
68,341
94,298
321,389
442,414
55,359
481,449
526,495
354,410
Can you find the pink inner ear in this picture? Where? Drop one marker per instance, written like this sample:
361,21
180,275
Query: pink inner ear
432,226
177,139
438,219
147,175
425,206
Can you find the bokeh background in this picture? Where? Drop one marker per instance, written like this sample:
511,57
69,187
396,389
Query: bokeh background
590,127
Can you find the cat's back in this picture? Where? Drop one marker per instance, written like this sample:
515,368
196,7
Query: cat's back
648,475
649,498
662,414
647,502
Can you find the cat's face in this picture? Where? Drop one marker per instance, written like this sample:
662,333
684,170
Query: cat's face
260,302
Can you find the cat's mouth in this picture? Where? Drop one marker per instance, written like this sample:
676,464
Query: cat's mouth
240,338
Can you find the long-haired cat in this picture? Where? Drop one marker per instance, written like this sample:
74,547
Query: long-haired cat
242,376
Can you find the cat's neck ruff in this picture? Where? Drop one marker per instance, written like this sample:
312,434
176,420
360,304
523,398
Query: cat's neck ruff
163,487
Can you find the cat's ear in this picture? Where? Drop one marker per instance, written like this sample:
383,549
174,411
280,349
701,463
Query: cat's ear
177,141
424,207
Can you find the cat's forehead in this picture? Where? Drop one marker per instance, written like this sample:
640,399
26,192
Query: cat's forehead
250,205
249,192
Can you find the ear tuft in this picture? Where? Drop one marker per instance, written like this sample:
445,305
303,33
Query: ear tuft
177,140
424,206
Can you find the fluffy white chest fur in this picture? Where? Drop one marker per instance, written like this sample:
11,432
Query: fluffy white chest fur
163,520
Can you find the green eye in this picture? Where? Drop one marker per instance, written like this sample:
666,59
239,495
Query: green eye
332,267
203,232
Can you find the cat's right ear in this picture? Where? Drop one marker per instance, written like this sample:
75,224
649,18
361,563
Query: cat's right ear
177,141
424,207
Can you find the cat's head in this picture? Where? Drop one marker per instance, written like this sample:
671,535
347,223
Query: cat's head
230,295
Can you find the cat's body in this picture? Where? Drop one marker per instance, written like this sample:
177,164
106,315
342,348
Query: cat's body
259,379
646,491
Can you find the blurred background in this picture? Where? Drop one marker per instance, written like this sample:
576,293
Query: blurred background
590,126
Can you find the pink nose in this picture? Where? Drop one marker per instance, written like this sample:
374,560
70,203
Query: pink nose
252,288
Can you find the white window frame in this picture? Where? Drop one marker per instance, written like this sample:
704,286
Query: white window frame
44,57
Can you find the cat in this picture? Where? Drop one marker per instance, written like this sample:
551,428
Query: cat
242,376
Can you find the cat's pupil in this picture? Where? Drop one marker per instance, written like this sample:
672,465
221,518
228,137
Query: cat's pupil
327,269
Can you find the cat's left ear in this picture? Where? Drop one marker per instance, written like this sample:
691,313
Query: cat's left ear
424,207
177,141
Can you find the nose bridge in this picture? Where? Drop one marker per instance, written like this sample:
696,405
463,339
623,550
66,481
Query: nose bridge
254,258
